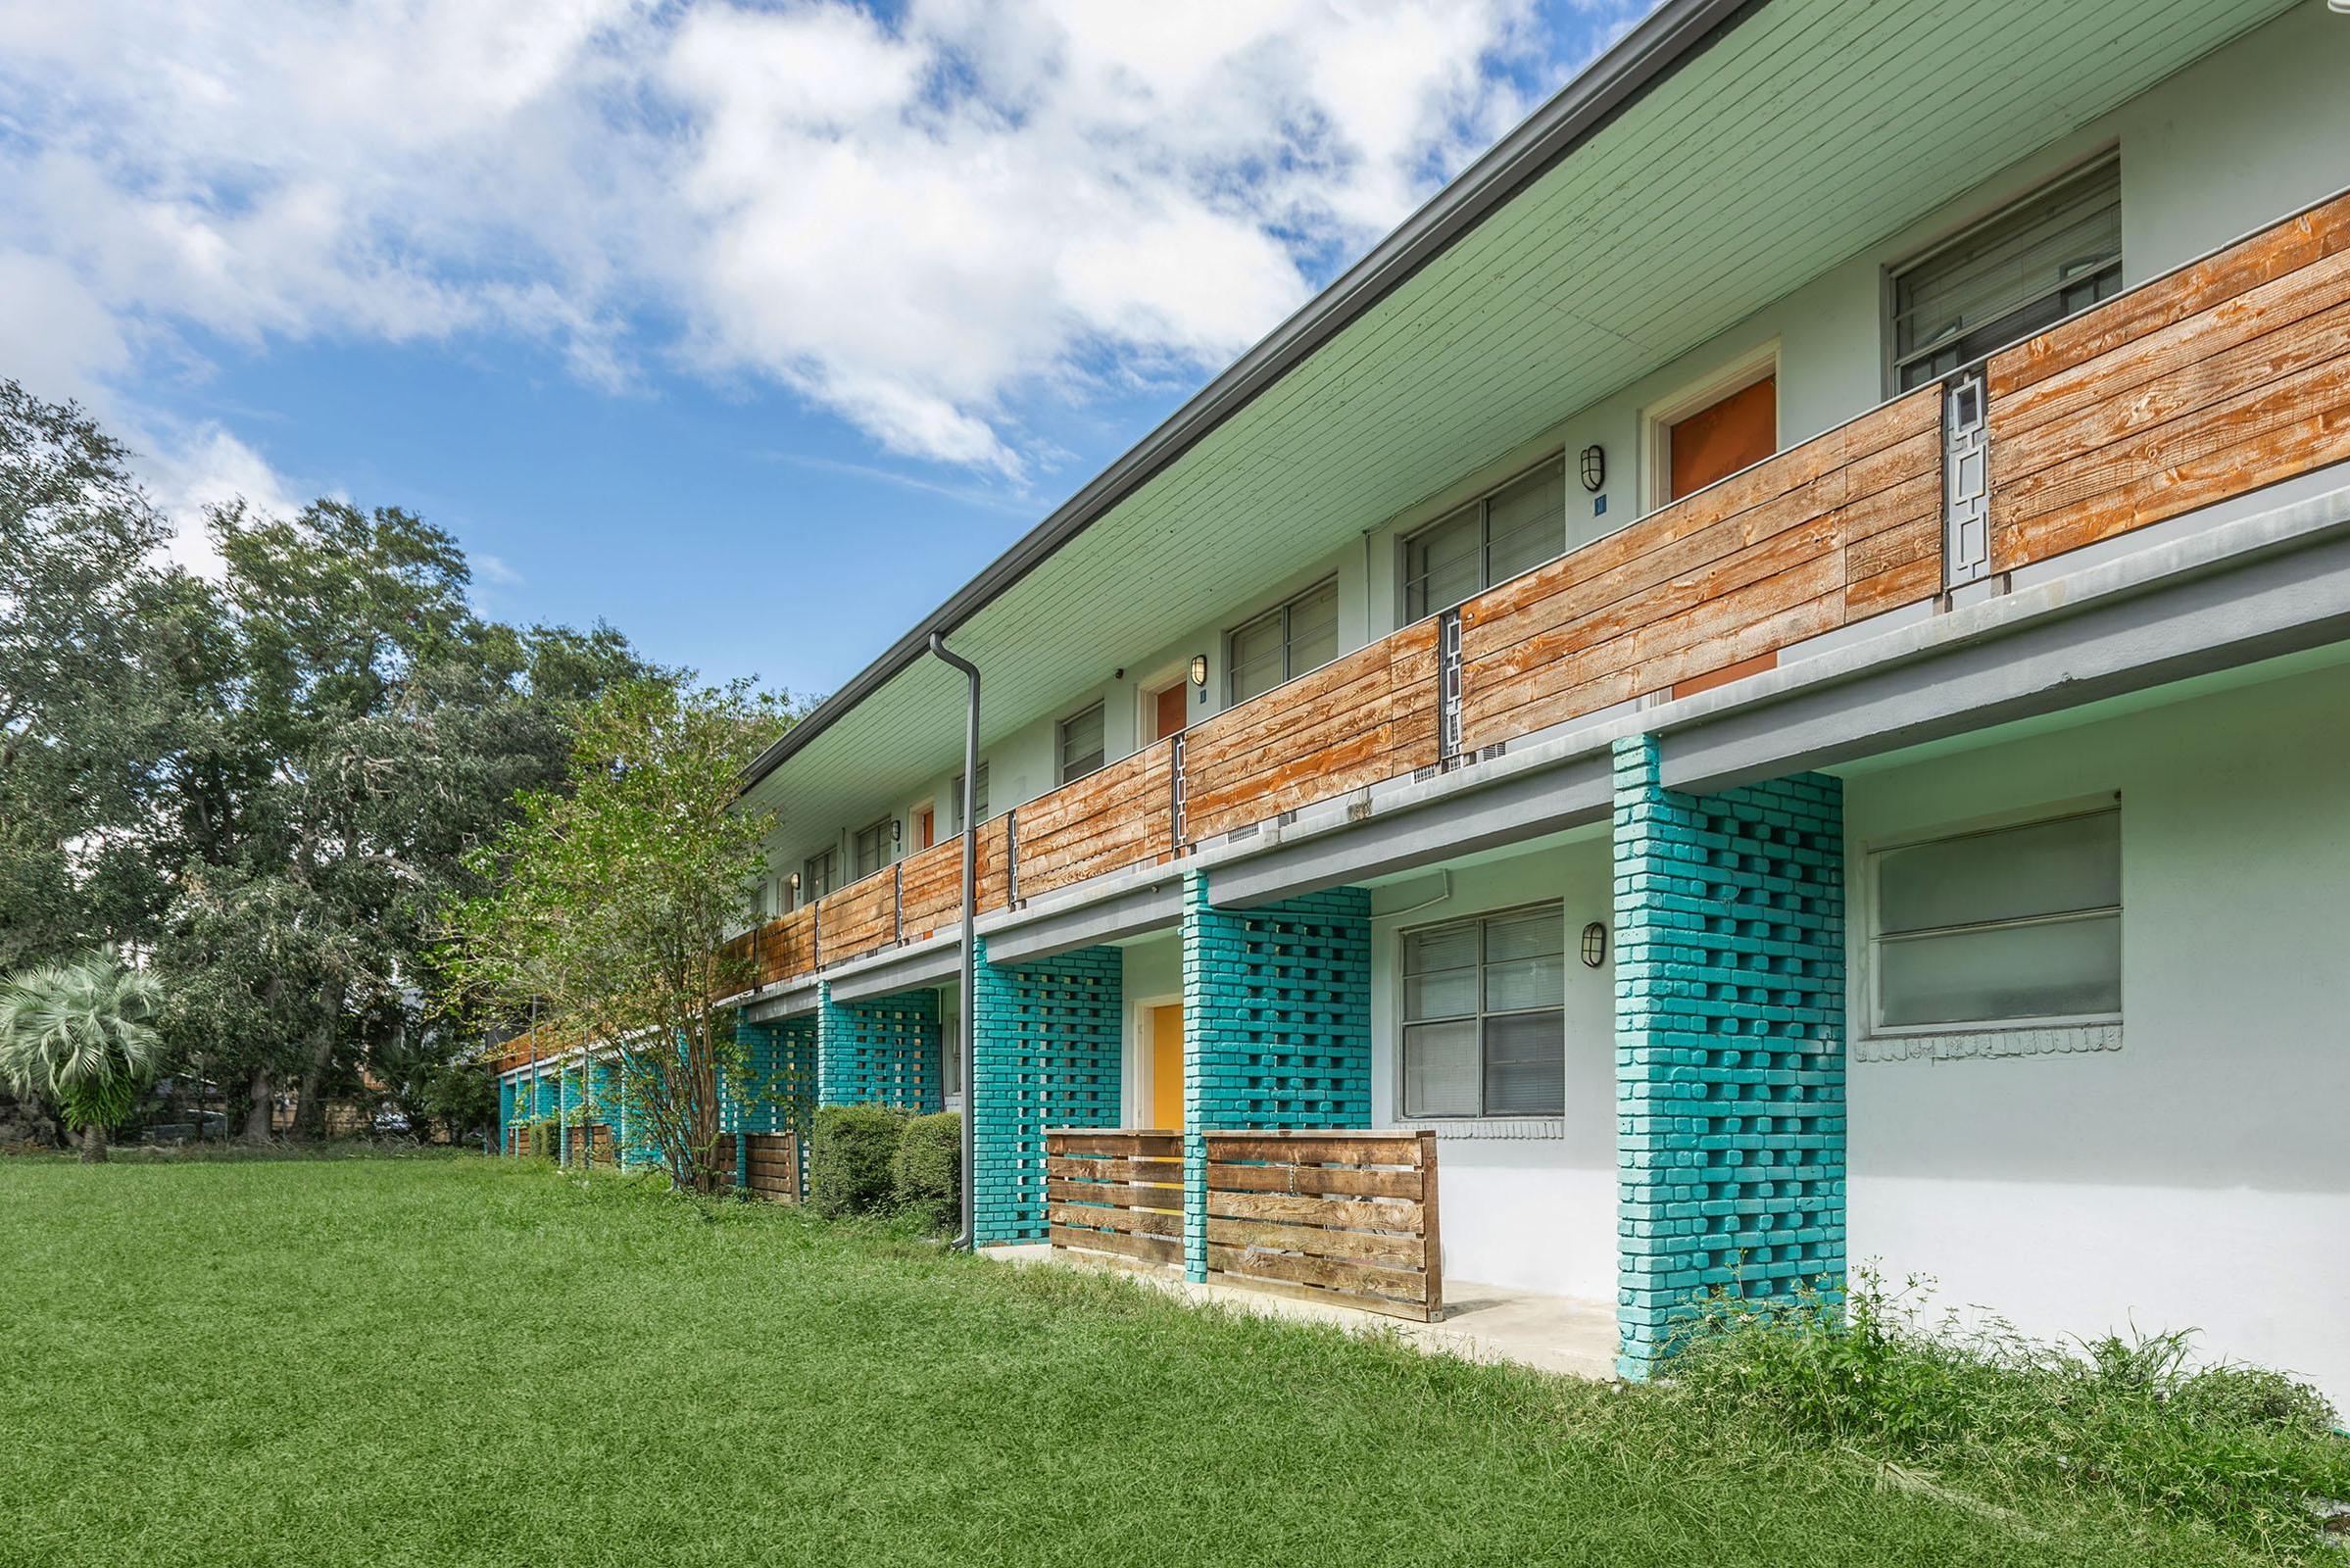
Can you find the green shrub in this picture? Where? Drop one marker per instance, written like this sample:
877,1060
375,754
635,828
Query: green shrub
542,1139
2243,1448
850,1159
927,1177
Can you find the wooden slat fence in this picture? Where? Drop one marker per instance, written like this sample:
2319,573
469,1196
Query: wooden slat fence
773,1161
1116,1190
1344,1217
2218,379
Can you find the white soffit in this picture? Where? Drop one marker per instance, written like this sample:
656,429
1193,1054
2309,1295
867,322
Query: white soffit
1811,131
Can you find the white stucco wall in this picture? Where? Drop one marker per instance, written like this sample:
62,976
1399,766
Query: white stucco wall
1526,1202
2200,1175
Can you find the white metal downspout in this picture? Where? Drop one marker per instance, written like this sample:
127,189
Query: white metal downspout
968,998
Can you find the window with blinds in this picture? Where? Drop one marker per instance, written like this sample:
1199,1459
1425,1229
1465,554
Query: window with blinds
1283,643
817,876
2020,925
1484,1016
978,798
874,847
1490,540
1081,743
2054,253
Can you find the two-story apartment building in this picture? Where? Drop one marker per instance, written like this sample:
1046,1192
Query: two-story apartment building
1774,666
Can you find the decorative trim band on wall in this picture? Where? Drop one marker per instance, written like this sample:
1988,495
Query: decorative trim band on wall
2062,1040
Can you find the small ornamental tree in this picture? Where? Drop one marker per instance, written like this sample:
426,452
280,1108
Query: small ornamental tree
78,1036
609,904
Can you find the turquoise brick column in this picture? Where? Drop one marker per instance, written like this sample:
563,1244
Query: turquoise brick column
1276,1026
778,1065
506,1113
1730,1044
880,1051
1046,1054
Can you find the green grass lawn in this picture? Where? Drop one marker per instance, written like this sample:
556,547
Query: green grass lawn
453,1360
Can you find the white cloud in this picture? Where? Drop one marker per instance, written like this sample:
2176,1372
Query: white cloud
926,226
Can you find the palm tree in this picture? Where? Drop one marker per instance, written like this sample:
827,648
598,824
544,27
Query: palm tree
78,1034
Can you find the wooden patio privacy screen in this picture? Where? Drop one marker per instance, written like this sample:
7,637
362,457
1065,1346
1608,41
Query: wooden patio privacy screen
771,1163
1116,1190
1344,1217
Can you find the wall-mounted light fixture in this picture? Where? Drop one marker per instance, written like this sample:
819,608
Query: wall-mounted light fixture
1595,945
1593,467
1200,670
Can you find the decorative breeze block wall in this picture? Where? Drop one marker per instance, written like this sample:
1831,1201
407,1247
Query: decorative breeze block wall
882,1052
1047,1053
1276,1026
1730,1044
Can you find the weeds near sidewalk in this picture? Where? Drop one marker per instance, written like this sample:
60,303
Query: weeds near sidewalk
1961,1401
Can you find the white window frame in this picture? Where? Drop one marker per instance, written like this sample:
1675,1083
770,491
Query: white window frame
1727,379
1283,609
1482,498
954,795
1403,1021
1870,938
1061,744
808,891
2097,165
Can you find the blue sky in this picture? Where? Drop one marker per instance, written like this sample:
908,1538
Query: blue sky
752,330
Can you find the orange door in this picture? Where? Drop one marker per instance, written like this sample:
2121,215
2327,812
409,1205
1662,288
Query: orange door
925,828
1170,711
1716,442
1166,1066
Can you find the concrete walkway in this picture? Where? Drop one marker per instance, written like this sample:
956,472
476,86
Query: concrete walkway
1480,1322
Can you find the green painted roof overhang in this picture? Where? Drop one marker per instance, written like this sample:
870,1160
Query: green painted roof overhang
1721,154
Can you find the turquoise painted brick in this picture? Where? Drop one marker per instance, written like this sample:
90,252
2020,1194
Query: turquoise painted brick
1730,1044
776,1067
882,1051
1046,1054
1276,1026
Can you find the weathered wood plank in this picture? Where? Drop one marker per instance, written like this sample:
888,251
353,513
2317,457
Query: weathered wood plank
1317,1149
1114,1170
1126,1145
1122,1221
1155,1248
1335,1180
1367,1215
1167,1194
1359,1277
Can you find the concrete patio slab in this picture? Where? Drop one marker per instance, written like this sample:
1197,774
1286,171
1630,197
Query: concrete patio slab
1480,1322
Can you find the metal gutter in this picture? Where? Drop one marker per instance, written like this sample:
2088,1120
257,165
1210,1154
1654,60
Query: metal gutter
1676,32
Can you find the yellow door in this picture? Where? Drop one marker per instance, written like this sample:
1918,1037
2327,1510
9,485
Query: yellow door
1166,1066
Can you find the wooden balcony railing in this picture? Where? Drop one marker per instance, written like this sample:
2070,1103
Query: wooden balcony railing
2207,384
2214,381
